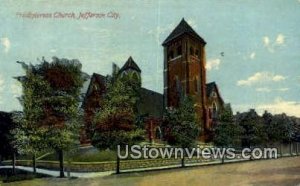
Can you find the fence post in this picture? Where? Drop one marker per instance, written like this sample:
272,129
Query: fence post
14,163
182,162
223,157
291,149
118,165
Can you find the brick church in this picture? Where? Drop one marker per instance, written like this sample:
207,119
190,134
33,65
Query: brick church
184,74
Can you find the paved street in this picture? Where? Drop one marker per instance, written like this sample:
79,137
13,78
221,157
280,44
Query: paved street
285,171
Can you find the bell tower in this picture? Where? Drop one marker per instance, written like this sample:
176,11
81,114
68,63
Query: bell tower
184,68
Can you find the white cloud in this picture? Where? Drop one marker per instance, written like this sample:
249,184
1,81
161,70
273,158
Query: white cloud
266,41
53,50
271,45
260,77
263,89
266,89
279,106
6,44
278,78
252,55
213,64
280,39
283,89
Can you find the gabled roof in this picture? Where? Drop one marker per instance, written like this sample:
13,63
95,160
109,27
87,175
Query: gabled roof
95,78
99,78
210,87
151,103
130,64
183,28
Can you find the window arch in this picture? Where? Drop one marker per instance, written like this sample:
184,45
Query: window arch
135,75
214,110
158,133
179,50
171,54
191,50
196,84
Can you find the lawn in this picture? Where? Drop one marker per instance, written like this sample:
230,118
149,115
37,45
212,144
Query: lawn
6,175
87,154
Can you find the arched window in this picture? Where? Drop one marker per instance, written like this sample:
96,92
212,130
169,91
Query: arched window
192,51
158,133
196,84
179,51
214,94
171,55
177,83
135,75
215,110
96,88
197,53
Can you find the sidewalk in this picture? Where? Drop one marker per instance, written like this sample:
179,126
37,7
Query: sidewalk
55,173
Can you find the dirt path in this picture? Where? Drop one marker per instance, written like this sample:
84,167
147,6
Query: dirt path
285,171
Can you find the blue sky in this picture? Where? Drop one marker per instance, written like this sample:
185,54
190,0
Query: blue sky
260,39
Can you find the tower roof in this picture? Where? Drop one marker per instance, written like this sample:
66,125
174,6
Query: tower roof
130,64
183,28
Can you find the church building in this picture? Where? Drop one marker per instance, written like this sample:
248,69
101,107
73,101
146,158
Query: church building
184,74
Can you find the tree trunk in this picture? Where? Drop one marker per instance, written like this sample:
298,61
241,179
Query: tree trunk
34,163
69,168
61,163
14,163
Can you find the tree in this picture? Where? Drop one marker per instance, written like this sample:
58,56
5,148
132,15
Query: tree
63,118
181,125
29,133
51,104
253,131
114,124
280,128
227,132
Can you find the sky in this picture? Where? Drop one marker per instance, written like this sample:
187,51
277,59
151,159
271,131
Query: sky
260,41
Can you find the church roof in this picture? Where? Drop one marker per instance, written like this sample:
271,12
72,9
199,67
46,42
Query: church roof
130,64
183,28
99,79
212,86
151,103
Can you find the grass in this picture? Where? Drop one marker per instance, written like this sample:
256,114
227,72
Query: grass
6,175
89,154
95,156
